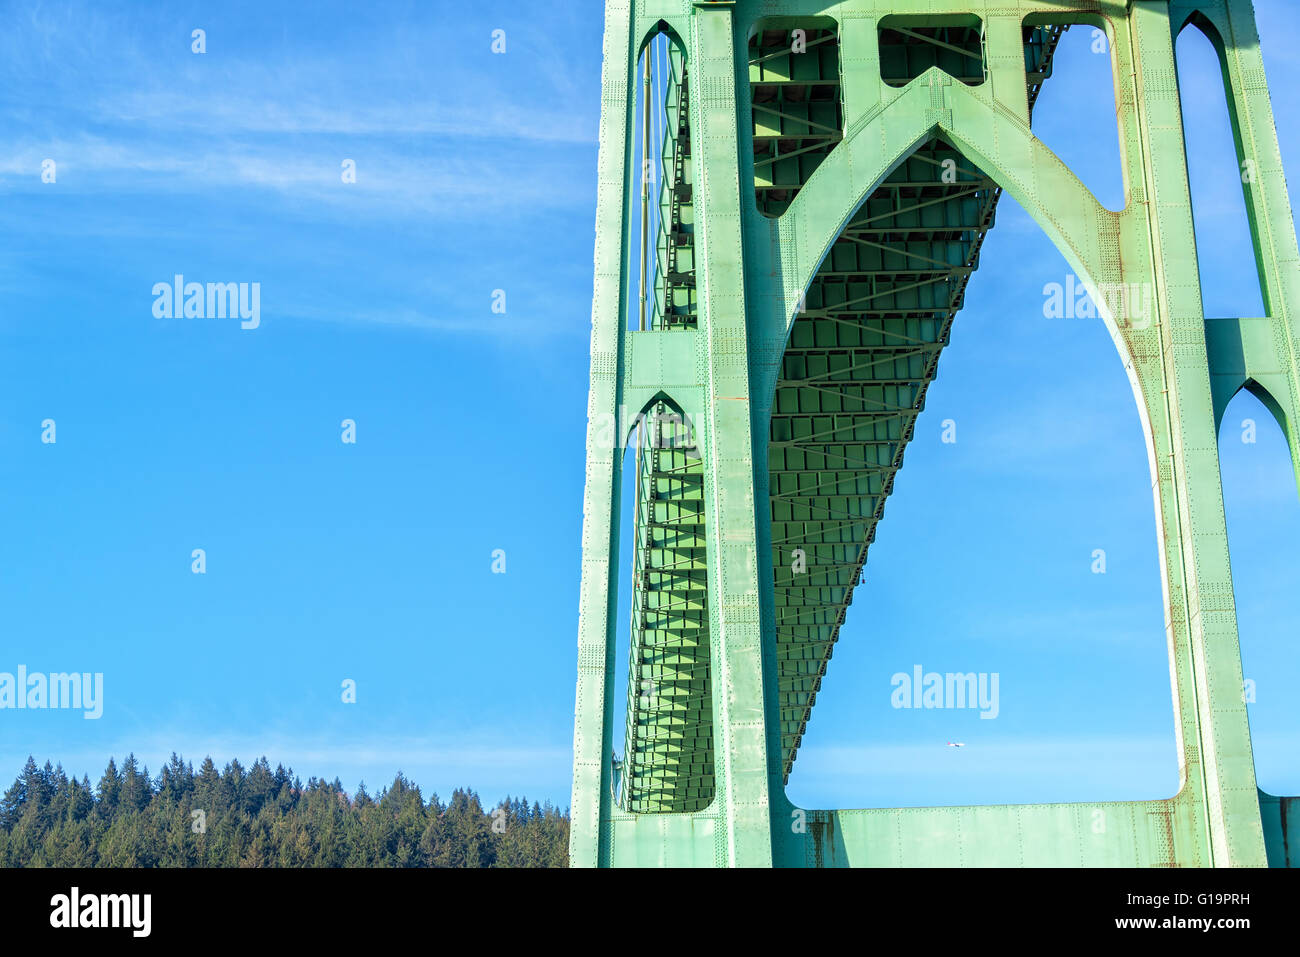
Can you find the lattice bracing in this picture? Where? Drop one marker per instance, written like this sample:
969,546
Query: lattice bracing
668,753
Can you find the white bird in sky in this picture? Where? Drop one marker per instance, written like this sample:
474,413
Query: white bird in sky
956,744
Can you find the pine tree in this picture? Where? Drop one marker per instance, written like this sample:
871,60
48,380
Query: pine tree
15,799
110,791
261,818
136,789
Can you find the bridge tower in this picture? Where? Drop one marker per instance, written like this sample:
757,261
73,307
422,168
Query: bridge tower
771,299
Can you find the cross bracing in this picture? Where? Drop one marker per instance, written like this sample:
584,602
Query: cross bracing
674,306
668,751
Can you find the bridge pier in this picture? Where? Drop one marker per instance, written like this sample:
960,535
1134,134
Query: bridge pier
757,253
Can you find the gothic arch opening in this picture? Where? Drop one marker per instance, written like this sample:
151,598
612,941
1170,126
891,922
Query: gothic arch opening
663,707
1231,281
1082,599
661,293
1263,516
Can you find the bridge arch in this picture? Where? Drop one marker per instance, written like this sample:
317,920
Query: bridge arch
634,418
1081,229
1011,159
649,34
1267,399
821,211
1205,21
1276,407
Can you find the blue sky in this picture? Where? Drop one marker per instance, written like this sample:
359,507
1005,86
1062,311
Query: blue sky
373,561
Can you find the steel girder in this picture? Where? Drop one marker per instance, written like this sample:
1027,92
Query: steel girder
798,341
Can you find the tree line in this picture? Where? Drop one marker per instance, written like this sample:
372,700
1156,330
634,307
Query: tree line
257,817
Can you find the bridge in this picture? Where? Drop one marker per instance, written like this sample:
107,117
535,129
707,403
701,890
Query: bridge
793,197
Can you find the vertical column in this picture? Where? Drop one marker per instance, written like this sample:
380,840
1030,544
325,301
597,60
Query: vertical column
860,69
741,748
1004,57
594,714
1203,616
1267,201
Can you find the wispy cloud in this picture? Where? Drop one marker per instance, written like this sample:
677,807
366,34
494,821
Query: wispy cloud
496,327
240,111
388,182
283,121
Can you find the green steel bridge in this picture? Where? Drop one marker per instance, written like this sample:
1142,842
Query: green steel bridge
769,312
